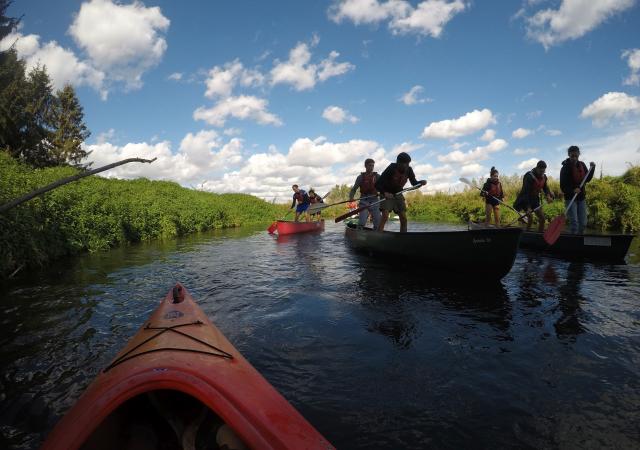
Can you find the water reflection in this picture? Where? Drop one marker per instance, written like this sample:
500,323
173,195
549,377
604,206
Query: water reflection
569,302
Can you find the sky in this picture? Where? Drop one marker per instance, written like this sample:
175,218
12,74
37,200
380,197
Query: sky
253,96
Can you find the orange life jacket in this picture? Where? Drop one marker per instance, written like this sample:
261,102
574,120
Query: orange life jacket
368,183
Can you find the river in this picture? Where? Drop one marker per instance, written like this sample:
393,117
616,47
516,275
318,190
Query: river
374,357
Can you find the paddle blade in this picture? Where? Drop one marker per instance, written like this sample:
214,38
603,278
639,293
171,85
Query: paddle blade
272,228
465,180
555,228
349,214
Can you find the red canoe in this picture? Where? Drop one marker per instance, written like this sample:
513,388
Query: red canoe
179,382
291,227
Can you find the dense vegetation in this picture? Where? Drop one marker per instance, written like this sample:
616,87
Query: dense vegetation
98,213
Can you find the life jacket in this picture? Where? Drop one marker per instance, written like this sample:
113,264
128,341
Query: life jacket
315,199
399,179
368,183
538,183
578,173
495,189
300,196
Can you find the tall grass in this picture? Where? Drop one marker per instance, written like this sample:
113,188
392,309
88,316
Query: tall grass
98,213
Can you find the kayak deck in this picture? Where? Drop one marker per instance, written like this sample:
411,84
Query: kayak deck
190,380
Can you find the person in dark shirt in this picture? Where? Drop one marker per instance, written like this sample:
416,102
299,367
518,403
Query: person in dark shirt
302,198
366,181
314,199
491,191
572,173
533,183
391,182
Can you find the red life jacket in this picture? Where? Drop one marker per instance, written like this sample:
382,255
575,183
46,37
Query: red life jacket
495,189
299,196
399,179
578,173
538,183
368,183
315,199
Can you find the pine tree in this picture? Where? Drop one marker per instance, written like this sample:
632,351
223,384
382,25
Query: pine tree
7,24
69,129
36,148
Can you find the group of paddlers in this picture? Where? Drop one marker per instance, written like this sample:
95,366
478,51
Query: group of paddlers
382,193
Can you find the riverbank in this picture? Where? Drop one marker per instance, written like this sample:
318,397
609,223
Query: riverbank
99,213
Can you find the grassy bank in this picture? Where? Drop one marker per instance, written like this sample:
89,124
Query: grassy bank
98,213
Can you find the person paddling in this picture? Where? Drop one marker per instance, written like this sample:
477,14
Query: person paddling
300,196
533,183
572,173
391,182
491,191
366,181
315,199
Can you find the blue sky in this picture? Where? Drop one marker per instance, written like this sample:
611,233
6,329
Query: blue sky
252,96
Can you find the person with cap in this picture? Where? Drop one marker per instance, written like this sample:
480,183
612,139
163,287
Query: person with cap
572,173
391,182
366,181
533,183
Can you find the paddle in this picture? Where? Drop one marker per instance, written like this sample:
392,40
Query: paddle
466,181
555,227
319,206
274,226
523,216
357,210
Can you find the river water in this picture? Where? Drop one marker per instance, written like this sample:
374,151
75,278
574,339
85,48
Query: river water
373,356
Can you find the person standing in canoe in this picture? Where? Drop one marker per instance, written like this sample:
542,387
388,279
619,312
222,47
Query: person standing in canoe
366,181
314,199
491,191
533,183
302,198
391,182
572,173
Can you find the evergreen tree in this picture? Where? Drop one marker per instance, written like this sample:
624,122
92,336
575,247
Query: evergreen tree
13,101
7,24
69,129
40,102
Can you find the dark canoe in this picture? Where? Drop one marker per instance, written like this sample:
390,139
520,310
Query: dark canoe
611,247
483,253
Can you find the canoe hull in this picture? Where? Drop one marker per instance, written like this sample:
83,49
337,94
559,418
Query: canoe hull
611,247
289,227
483,253
203,365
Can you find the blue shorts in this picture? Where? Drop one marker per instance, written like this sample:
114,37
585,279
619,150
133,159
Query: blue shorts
302,207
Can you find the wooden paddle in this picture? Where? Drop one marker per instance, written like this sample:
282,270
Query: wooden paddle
555,227
274,226
466,181
357,210
319,206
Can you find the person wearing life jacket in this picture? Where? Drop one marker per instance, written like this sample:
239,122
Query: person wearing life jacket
314,199
392,181
533,183
302,198
366,182
491,191
572,173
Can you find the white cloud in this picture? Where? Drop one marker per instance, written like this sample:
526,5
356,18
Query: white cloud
319,153
413,96
467,124
633,60
406,147
528,164
123,41
552,132
221,80
176,76
572,20
243,107
335,114
534,114
428,18
611,105
62,64
521,133
480,153
489,135
473,169
613,152
525,151
299,72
